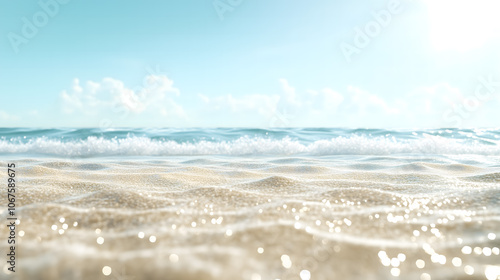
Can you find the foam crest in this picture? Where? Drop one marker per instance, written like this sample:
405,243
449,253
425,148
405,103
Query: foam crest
145,146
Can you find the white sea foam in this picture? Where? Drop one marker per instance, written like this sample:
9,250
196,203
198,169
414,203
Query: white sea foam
144,146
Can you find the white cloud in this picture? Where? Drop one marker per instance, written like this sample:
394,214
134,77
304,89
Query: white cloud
351,107
322,103
433,98
4,116
156,95
249,109
255,102
289,95
368,103
332,98
326,99
171,109
446,106
325,107
252,110
204,98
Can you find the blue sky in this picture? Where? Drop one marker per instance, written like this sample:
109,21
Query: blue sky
242,63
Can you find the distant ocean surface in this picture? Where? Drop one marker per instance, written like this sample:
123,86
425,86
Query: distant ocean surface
253,204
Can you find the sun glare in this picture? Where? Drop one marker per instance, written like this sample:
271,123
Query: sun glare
463,25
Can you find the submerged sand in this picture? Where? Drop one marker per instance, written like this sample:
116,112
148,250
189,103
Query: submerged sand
210,217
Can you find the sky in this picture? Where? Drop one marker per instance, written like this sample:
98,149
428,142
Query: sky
242,63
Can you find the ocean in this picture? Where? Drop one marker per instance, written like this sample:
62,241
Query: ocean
256,204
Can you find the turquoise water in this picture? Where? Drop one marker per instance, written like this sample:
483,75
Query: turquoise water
237,141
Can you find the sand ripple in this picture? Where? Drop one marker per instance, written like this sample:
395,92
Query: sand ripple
257,218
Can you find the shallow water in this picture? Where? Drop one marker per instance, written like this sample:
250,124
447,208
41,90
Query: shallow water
255,216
